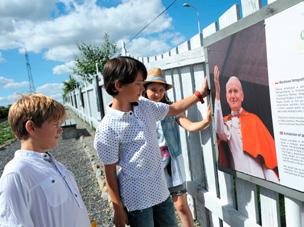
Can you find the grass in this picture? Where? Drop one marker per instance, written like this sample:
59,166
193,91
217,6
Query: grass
6,133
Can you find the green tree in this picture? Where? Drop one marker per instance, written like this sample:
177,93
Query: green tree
4,111
69,86
90,54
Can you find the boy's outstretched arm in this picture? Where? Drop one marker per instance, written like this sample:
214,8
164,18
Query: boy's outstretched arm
182,105
120,215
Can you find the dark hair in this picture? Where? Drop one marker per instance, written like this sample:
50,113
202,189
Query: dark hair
165,99
124,69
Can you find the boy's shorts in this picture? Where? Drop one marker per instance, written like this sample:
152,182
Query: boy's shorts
160,215
178,190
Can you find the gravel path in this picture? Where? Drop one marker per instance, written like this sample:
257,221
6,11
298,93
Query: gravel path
98,207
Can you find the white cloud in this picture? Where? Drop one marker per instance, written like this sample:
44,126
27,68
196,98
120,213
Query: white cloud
149,46
62,53
174,38
53,27
26,9
53,90
11,84
4,80
84,22
64,68
7,100
16,85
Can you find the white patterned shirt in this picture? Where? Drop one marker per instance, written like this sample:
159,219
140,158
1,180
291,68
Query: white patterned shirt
130,140
36,190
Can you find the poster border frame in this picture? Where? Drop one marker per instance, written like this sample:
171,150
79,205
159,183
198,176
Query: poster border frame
262,14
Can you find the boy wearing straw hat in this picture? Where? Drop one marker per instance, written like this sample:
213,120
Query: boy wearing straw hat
126,137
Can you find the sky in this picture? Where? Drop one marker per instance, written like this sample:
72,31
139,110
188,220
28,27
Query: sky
50,29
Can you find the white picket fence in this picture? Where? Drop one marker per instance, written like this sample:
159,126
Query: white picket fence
217,199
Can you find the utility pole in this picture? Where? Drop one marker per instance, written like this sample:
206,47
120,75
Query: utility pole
29,73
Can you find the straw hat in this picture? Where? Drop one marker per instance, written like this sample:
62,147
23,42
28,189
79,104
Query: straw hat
155,75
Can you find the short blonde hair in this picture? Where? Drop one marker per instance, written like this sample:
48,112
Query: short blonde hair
35,107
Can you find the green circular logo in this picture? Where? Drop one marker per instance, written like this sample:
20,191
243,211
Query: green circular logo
302,35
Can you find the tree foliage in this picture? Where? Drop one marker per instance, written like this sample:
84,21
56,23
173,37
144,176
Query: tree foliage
90,54
4,112
69,86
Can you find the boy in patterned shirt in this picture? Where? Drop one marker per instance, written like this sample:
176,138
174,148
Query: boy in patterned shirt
126,137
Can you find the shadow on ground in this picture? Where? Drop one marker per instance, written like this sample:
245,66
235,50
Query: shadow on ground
71,132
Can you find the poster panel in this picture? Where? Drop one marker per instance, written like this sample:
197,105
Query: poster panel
285,59
259,113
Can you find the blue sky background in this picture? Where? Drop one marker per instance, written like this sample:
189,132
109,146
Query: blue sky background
49,30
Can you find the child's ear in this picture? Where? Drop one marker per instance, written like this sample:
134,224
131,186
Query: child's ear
30,127
117,85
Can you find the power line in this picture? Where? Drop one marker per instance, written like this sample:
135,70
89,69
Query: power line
147,25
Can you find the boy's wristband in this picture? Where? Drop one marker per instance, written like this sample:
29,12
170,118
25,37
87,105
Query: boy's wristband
199,96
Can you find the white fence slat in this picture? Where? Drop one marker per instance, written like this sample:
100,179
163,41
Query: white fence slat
302,213
106,99
209,30
194,146
205,136
226,190
184,47
250,6
168,75
93,100
89,104
86,104
191,57
247,199
177,85
293,212
195,155
199,174
215,220
178,82
202,214
145,60
174,51
229,17
270,208
196,41
152,59
226,212
178,95
166,55
206,144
